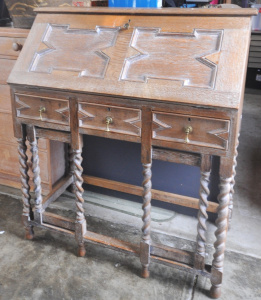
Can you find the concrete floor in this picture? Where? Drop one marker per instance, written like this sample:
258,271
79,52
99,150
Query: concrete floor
47,268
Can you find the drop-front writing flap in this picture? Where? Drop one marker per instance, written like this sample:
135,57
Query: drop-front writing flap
182,58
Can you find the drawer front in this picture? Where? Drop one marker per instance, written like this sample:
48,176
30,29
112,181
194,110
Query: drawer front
52,110
6,67
206,132
119,120
10,47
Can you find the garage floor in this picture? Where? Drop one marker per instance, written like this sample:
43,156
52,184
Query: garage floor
47,267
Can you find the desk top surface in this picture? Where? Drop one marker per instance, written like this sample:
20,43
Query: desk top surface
233,12
194,56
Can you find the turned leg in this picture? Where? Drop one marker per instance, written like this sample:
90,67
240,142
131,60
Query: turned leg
202,213
232,184
75,168
146,218
27,208
38,210
221,232
80,224
146,159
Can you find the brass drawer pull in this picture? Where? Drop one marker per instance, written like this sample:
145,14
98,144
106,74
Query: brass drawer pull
126,25
42,110
108,121
187,130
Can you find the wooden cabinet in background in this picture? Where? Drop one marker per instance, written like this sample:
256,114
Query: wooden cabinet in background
51,152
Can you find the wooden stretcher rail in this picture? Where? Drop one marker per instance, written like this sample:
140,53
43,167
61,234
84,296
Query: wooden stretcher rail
112,243
122,246
59,221
171,253
156,194
57,190
60,136
116,244
176,157
206,272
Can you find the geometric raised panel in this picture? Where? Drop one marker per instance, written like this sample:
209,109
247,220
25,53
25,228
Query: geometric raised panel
74,50
190,58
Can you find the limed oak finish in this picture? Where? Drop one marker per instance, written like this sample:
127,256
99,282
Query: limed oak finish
169,79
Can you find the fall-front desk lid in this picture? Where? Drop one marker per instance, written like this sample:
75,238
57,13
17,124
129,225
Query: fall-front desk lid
183,55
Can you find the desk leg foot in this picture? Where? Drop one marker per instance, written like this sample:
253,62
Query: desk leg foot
215,292
29,235
29,230
81,250
145,273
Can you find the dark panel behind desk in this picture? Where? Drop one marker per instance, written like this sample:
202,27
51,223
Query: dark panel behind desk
120,161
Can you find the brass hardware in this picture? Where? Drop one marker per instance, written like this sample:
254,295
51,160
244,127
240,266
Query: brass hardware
17,46
108,121
42,110
187,130
126,25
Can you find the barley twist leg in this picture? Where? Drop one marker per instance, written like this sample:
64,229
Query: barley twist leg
27,214
202,218
146,218
80,226
221,233
36,180
232,184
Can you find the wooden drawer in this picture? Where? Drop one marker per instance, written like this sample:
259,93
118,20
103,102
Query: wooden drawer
123,120
6,46
6,67
206,132
53,110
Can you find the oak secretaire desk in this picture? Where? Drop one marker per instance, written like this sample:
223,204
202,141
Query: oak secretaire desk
170,79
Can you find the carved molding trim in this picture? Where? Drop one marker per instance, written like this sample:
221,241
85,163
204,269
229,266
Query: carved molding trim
64,112
22,106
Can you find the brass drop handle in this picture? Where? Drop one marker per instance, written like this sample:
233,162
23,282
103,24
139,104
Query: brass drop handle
187,130
108,121
126,25
42,110
17,46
